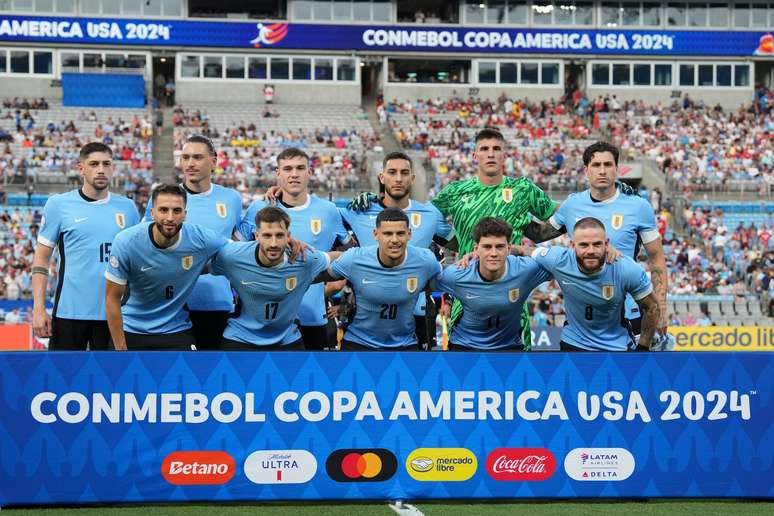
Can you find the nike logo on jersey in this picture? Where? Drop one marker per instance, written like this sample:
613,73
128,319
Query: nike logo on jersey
144,268
77,220
249,282
470,296
372,217
568,283
366,282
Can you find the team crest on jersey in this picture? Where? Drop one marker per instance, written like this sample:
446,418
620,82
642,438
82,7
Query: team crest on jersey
315,225
616,221
507,194
120,220
416,220
513,295
290,283
608,291
221,209
187,262
412,283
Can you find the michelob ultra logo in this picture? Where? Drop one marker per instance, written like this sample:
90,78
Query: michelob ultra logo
441,464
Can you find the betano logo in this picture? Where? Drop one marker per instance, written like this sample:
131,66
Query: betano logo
269,34
376,465
184,468
441,464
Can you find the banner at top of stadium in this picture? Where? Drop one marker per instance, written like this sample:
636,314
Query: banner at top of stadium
384,38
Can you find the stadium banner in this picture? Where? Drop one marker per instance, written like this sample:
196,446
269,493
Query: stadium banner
79,428
723,338
398,38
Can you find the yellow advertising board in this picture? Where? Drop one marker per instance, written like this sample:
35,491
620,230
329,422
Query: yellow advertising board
723,338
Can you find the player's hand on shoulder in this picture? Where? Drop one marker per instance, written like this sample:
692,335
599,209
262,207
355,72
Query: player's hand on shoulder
522,250
466,260
613,254
273,194
298,249
362,201
625,189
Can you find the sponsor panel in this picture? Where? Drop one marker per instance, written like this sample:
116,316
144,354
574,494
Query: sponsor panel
361,465
723,338
599,464
441,464
520,464
280,467
184,468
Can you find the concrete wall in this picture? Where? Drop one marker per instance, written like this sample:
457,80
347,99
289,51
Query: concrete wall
729,98
413,91
252,92
29,87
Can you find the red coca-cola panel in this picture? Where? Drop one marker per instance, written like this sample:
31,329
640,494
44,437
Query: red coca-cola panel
521,464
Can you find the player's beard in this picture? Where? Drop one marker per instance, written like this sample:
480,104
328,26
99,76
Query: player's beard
405,194
104,184
169,235
581,264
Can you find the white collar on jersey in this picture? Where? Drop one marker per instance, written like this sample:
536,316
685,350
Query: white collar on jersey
608,201
98,201
176,244
405,257
205,193
302,206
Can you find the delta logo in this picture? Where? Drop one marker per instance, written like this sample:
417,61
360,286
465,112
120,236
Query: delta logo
521,464
441,464
280,467
269,34
361,465
185,468
599,464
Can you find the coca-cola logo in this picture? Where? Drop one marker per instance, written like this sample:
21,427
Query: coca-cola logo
521,464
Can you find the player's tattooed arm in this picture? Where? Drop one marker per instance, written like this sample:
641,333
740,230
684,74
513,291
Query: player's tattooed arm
650,316
522,250
451,245
542,231
113,294
658,276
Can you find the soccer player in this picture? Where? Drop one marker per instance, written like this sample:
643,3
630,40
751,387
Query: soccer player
427,223
595,291
491,194
219,209
270,288
314,221
158,262
492,291
629,223
387,280
82,224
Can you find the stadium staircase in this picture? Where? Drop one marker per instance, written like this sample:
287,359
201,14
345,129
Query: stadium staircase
164,150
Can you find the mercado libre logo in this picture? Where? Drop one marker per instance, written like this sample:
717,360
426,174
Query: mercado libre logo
361,465
441,464
269,35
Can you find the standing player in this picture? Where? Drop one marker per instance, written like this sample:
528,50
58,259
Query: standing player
219,209
427,223
82,224
492,291
270,288
629,222
491,194
595,291
314,221
159,262
387,280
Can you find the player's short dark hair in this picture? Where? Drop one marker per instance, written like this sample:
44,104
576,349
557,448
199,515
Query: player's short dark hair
290,153
272,214
397,155
200,138
588,222
592,149
92,147
391,215
168,188
492,226
489,133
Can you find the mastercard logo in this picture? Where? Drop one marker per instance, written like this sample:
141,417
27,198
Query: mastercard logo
361,465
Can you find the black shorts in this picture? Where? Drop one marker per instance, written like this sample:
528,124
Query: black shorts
235,345
79,335
420,322
458,347
208,328
566,346
179,341
315,337
348,345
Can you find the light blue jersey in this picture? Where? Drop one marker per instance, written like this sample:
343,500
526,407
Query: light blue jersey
385,297
317,223
594,303
425,221
491,310
218,209
629,222
159,280
83,231
269,297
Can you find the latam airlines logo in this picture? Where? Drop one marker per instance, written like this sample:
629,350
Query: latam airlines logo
269,34
280,467
600,464
520,464
184,468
